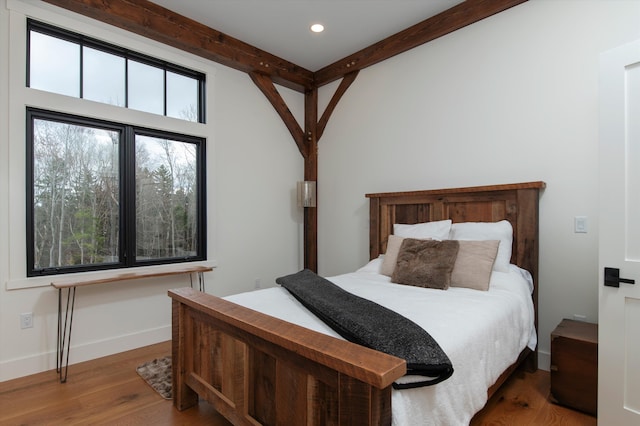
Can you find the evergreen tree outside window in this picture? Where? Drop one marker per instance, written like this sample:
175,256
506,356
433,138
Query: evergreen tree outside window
102,194
107,195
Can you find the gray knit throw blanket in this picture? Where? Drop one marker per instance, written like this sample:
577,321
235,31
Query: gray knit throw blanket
366,323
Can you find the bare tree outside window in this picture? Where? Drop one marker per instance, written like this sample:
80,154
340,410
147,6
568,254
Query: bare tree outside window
112,196
103,193
166,202
182,97
76,195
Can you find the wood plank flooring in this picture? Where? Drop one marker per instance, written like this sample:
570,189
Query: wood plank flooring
524,400
109,391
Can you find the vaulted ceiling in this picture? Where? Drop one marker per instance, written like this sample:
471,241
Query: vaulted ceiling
281,27
191,30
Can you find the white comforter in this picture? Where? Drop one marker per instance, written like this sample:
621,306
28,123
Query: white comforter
481,332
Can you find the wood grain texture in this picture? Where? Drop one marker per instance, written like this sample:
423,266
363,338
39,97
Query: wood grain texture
183,396
347,80
459,16
179,270
157,23
311,173
102,391
108,391
291,360
518,203
271,334
524,401
267,87
274,372
574,365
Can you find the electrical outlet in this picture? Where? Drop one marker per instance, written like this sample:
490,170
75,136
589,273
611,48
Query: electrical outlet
579,317
26,320
257,284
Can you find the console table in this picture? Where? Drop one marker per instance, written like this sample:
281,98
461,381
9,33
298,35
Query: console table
64,330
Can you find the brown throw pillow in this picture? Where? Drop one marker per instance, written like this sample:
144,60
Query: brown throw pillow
425,263
474,264
391,255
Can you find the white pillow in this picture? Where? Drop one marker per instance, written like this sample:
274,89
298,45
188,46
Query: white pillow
488,231
373,265
438,230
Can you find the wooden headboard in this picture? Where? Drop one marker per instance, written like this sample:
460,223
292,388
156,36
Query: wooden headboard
517,203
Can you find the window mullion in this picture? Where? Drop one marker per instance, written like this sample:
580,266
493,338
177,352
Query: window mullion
202,101
30,192
126,83
81,65
39,73
128,186
165,92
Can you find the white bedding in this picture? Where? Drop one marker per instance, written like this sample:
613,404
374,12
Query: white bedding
482,332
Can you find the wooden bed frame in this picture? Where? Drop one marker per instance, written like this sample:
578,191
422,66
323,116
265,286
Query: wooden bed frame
256,369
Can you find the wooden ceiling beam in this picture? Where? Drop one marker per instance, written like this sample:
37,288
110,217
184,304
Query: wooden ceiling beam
157,23
340,91
310,214
450,20
270,91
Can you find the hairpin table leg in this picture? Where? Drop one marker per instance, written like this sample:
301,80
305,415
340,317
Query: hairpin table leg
200,281
64,333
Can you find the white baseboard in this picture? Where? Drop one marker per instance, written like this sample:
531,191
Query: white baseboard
26,366
544,360
46,361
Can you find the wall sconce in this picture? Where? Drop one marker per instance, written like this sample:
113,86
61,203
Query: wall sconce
307,193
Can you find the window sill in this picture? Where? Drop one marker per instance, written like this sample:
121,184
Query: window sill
114,274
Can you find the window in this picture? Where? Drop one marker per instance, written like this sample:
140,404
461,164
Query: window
70,64
106,195
102,194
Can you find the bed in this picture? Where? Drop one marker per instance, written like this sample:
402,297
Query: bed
245,356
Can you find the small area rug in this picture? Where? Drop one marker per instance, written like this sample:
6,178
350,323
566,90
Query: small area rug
157,374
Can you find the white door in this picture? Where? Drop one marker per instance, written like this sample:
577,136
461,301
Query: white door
619,234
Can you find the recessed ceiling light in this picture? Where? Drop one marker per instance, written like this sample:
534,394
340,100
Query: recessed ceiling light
317,28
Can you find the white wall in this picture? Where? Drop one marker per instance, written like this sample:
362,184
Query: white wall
254,225
512,98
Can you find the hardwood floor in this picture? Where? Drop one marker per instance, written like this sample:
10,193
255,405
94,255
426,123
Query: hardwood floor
109,391
103,391
524,400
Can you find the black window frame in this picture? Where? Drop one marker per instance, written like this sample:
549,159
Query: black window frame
127,196
127,54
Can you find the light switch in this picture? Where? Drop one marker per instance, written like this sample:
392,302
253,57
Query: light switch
580,225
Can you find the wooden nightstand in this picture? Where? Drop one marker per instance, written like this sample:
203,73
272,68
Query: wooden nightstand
574,365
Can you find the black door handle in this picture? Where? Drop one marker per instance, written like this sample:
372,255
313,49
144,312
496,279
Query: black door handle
612,278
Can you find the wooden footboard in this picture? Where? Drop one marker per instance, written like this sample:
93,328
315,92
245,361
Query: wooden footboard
257,369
